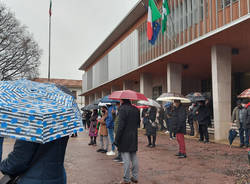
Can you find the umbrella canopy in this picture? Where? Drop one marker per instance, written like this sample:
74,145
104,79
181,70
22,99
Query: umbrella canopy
150,102
195,97
90,107
245,94
232,134
104,104
37,112
169,97
141,106
106,99
127,94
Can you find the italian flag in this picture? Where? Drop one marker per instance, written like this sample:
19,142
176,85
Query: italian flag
50,8
153,15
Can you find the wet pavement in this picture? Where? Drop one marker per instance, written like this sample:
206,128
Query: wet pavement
206,163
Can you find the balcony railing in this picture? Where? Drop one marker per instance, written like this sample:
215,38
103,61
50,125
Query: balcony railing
189,20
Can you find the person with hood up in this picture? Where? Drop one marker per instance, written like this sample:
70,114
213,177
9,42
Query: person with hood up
110,127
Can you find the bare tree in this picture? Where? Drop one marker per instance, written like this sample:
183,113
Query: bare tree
19,53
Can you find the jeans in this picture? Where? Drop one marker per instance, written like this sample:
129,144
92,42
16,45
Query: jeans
111,137
1,148
244,140
127,158
102,143
181,142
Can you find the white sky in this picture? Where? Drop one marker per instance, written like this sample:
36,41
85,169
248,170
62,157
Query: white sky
78,28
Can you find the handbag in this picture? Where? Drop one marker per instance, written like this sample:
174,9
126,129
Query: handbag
7,179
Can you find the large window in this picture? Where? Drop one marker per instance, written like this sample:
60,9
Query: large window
221,3
157,91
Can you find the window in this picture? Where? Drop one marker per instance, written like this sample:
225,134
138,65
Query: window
227,3
157,91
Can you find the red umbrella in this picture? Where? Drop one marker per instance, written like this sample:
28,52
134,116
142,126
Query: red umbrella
245,94
141,106
127,94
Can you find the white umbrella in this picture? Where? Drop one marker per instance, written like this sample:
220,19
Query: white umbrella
170,97
150,102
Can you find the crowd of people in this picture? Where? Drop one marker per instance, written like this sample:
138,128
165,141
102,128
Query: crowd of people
172,119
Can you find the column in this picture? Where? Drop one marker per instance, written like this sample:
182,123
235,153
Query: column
127,85
146,85
174,77
221,79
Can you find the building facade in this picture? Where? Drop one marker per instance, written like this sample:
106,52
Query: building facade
206,48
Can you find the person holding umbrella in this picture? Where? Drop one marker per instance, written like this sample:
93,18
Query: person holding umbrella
49,116
127,133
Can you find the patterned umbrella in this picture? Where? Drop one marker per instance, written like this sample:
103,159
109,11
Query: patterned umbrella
245,94
37,112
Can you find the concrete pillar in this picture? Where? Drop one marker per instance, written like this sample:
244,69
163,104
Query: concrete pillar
127,85
115,88
174,77
146,85
91,98
105,93
221,79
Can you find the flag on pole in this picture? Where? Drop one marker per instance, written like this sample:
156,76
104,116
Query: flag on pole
165,13
50,8
156,30
153,15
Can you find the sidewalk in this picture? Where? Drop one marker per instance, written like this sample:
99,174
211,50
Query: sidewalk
206,163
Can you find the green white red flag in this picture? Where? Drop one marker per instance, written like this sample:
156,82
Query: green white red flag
153,15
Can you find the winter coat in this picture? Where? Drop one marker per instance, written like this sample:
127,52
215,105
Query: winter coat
109,119
48,169
246,124
235,116
203,116
150,129
103,128
178,119
127,133
93,126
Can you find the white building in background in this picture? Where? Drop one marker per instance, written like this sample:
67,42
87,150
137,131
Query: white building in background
74,85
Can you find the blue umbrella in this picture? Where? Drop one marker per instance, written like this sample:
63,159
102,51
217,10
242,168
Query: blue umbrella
37,112
107,100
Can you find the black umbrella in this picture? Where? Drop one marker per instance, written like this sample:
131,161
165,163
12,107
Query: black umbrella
196,97
90,107
232,134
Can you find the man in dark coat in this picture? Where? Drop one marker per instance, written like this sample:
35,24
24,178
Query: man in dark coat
203,118
48,166
178,120
127,139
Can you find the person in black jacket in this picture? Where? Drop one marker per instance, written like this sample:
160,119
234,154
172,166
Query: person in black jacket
127,139
48,166
203,118
150,125
178,120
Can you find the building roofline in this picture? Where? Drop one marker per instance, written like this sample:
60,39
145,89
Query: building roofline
130,19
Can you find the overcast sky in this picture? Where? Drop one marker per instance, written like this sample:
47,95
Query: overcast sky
78,28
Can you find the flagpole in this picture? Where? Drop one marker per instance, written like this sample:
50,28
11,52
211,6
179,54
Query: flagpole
49,46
